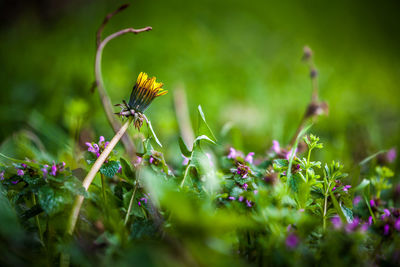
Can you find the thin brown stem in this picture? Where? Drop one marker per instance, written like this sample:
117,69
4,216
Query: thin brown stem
105,100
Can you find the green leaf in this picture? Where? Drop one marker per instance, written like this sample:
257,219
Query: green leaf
281,163
203,128
337,207
73,185
152,132
184,149
203,137
348,213
364,183
127,170
110,168
54,201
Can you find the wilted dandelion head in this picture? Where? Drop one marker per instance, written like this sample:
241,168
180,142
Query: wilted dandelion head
144,92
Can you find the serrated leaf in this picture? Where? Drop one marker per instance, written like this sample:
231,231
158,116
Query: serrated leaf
184,149
202,127
53,201
110,168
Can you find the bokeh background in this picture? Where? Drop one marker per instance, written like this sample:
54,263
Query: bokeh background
240,60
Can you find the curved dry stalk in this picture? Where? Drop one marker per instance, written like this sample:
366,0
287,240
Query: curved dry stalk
99,83
105,100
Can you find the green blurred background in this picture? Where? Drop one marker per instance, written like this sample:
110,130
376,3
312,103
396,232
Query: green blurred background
240,60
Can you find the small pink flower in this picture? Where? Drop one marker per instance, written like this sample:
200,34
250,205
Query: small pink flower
289,153
248,203
151,160
20,173
391,155
23,165
372,203
370,220
245,186
386,213
232,153
249,158
101,140
240,198
2,175
275,147
231,198
336,222
386,229
53,170
346,188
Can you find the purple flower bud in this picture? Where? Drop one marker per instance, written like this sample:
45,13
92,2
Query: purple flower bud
151,160
140,204
397,224
20,172
106,144
386,229
275,147
291,241
248,203
232,153
386,213
289,153
336,222
346,188
53,170
240,198
96,148
15,182
185,160
90,147
144,200
370,220
119,169
356,200
333,189
23,165
101,140
44,170
372,203
2,175
245,186
231,198
391,155
249,157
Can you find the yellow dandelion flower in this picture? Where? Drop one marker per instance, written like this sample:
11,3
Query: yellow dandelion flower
144,92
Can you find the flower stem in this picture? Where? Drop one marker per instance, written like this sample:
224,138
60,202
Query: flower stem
37,220
103,187
130,204
64,259
186,172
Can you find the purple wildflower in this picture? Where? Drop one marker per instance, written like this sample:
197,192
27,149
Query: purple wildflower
370,220
101,140
20,172
386,229
53,170
23,165
242,170
275,146
248,203
391,155
232,153
356,200
289,153
2,175
240,198
185,160
249,158
333,189
151,160
336,222
245,186
386,213
292,241
44,170
90,147
364,227
144,200
346,188
372,203
350,227
231,198
139,204
397,224
15,182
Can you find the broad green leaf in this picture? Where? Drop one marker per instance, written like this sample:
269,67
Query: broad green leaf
337,207
127,170
54,201
348,213
110,168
